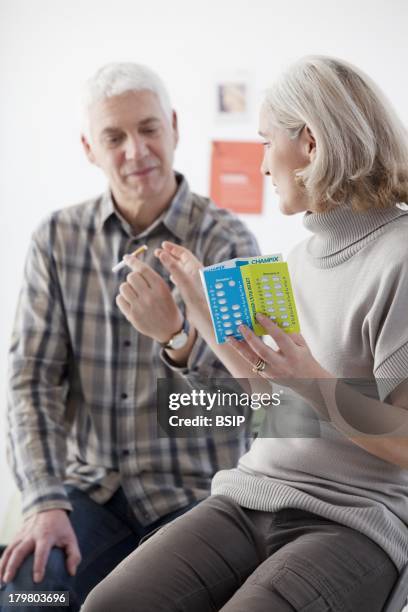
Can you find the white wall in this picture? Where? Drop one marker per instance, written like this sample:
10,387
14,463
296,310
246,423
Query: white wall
49,47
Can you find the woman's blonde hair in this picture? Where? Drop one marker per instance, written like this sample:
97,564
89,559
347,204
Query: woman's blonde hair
361,145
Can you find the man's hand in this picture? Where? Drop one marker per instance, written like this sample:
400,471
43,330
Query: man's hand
39,534
184,268
147,303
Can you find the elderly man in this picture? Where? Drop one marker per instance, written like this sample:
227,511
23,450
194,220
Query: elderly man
94,476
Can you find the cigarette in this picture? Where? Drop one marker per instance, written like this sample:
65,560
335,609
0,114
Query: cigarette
122,263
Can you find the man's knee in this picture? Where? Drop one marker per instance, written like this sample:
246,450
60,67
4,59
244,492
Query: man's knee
55,575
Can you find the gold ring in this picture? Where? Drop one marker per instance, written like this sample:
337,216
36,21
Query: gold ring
259,366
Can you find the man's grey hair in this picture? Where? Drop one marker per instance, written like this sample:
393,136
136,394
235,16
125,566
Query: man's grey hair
117,78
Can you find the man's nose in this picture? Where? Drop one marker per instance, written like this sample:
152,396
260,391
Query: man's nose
135,147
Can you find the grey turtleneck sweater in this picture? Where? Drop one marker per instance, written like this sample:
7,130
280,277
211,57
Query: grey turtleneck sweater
351,287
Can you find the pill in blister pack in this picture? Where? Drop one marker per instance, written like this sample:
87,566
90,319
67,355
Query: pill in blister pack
238,289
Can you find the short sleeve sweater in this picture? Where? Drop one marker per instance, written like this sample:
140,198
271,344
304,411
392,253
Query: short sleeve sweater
350,282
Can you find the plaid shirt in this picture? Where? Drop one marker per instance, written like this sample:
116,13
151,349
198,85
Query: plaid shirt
82,391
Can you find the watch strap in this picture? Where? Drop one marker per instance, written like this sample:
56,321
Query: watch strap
185,328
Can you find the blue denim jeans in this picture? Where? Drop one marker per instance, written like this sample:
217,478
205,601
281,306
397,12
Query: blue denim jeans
106,535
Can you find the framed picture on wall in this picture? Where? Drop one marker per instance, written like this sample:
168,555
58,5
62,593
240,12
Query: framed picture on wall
232,97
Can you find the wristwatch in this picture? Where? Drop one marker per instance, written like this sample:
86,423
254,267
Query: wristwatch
179,340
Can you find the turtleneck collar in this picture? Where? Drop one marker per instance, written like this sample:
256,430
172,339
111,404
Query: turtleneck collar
339,233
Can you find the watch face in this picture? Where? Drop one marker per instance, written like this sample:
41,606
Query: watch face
178,341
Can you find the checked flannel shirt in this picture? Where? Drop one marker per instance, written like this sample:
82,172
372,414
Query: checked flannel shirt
82,381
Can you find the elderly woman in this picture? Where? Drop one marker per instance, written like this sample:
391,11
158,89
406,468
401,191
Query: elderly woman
317,522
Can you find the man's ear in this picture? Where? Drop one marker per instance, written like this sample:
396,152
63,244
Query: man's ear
88,149
174,125
308,142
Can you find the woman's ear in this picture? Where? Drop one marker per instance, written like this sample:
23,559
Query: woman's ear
308,142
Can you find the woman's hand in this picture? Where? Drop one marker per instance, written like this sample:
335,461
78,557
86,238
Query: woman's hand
291,360
291,363
184,272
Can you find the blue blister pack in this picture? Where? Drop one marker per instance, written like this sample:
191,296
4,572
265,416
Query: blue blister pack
226,296
227,302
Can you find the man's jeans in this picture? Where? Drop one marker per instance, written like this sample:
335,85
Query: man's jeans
106,535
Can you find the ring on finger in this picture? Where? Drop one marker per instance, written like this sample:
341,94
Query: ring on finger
259,366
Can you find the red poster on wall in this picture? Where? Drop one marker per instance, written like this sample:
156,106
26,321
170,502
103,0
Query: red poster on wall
236,179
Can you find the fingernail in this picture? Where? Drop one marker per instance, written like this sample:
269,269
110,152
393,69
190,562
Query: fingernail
6,577
260,315
37,577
